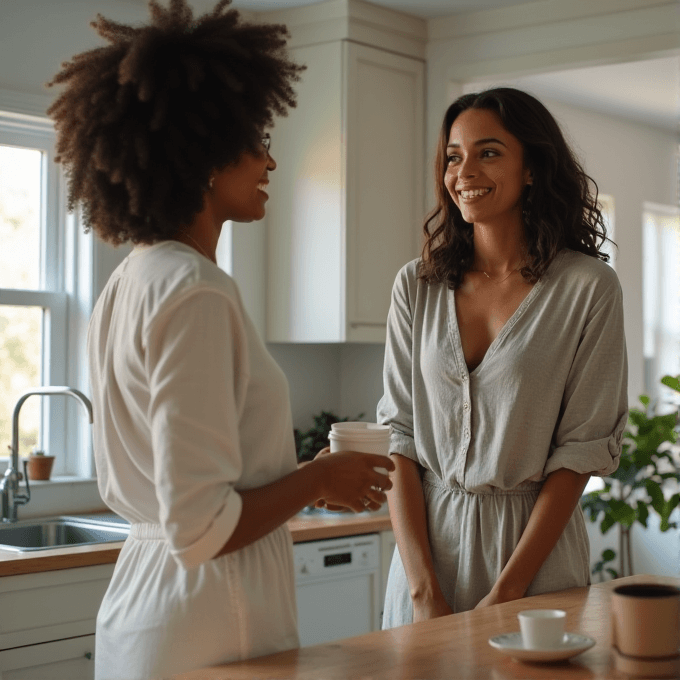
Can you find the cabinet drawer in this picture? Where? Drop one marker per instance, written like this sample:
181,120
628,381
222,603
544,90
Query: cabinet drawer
52,605
72,659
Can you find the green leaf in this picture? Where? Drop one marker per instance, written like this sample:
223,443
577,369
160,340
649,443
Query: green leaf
670,381
612,572
642,513
608,555
655,493
607,523
644,399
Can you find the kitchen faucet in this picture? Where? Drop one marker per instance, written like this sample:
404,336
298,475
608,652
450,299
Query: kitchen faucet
9,485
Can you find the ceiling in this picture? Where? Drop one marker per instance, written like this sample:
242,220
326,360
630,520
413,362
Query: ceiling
644,91
427,9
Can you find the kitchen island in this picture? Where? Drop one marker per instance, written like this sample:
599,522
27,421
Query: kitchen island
451,647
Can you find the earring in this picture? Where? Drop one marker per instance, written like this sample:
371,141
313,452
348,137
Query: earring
211,181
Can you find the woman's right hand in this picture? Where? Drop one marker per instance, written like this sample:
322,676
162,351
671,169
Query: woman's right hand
348,479
430,608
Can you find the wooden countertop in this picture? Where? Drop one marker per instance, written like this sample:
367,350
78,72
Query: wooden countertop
302,529
451,647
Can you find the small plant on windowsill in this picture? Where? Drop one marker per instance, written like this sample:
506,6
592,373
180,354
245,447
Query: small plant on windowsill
39,465
310,442
648,467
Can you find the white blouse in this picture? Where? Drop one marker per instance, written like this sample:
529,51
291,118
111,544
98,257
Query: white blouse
189,408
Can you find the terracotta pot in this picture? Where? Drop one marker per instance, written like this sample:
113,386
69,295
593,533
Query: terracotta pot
40,467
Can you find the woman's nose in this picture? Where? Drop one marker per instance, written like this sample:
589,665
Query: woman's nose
467,167
271,163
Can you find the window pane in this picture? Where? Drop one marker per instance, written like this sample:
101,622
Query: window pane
20,369
661,303
20,192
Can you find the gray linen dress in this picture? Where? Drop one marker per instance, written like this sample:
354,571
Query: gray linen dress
550,393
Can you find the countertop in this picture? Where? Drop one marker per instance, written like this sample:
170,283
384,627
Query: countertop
302,528
452,647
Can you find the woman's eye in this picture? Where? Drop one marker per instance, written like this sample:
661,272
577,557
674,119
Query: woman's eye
489,153
452,159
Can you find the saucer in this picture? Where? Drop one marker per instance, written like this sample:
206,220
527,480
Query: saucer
571,645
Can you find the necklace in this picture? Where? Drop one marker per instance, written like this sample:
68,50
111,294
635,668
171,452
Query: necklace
503,279
198,245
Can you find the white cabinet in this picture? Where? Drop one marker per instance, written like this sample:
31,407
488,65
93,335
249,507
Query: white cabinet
71,659
346,201
48,622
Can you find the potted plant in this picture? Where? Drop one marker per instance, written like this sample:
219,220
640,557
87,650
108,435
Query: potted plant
310,442
647,468
39,465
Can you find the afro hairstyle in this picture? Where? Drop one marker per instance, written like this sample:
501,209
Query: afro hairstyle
142,122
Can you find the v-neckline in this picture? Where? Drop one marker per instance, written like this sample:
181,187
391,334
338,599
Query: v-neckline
454,329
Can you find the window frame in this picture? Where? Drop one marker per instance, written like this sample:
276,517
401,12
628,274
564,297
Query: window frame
65,294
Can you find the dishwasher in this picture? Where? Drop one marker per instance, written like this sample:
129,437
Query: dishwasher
338,585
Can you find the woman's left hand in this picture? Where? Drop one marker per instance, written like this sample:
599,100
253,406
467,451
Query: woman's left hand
496,597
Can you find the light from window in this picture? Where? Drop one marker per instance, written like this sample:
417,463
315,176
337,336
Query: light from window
661,299
20,218
20,369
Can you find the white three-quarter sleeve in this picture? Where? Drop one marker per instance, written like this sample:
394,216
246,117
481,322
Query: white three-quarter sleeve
197,359
594,408
396,406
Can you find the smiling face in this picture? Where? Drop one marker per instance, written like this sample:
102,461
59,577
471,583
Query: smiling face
239,191
485,172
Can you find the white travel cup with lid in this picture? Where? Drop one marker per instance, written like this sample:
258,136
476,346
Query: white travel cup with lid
361,437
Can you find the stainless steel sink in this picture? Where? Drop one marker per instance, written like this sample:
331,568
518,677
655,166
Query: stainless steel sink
59,532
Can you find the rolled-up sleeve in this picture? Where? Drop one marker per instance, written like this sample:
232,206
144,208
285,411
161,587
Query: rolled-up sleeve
396,406
197,359
594,409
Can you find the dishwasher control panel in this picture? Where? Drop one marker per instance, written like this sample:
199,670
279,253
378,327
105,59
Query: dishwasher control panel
324,559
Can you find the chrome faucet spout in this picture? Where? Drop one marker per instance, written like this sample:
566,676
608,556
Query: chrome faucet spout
9,485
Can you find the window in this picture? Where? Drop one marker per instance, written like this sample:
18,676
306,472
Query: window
661,300
34,300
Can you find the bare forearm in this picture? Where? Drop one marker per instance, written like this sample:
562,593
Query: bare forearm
553,509
409,522
268,507
348,479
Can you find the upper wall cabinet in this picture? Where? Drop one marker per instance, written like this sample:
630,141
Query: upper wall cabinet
346,199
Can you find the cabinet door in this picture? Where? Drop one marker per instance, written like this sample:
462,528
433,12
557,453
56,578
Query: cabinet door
305,233
72,659
385,178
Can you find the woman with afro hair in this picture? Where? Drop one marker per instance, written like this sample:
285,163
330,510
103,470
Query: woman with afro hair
163,137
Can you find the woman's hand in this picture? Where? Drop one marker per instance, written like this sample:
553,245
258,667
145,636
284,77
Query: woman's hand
498,596
430,608
349,480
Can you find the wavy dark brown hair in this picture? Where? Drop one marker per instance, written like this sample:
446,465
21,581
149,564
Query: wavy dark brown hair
559,208
143,121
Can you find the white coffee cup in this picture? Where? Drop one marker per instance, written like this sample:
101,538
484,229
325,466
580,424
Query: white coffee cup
361,437
542,628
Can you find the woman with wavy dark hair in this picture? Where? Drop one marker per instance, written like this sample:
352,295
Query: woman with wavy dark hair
505,368
163,135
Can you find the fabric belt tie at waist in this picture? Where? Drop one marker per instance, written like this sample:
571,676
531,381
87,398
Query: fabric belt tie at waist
147,532
530,488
